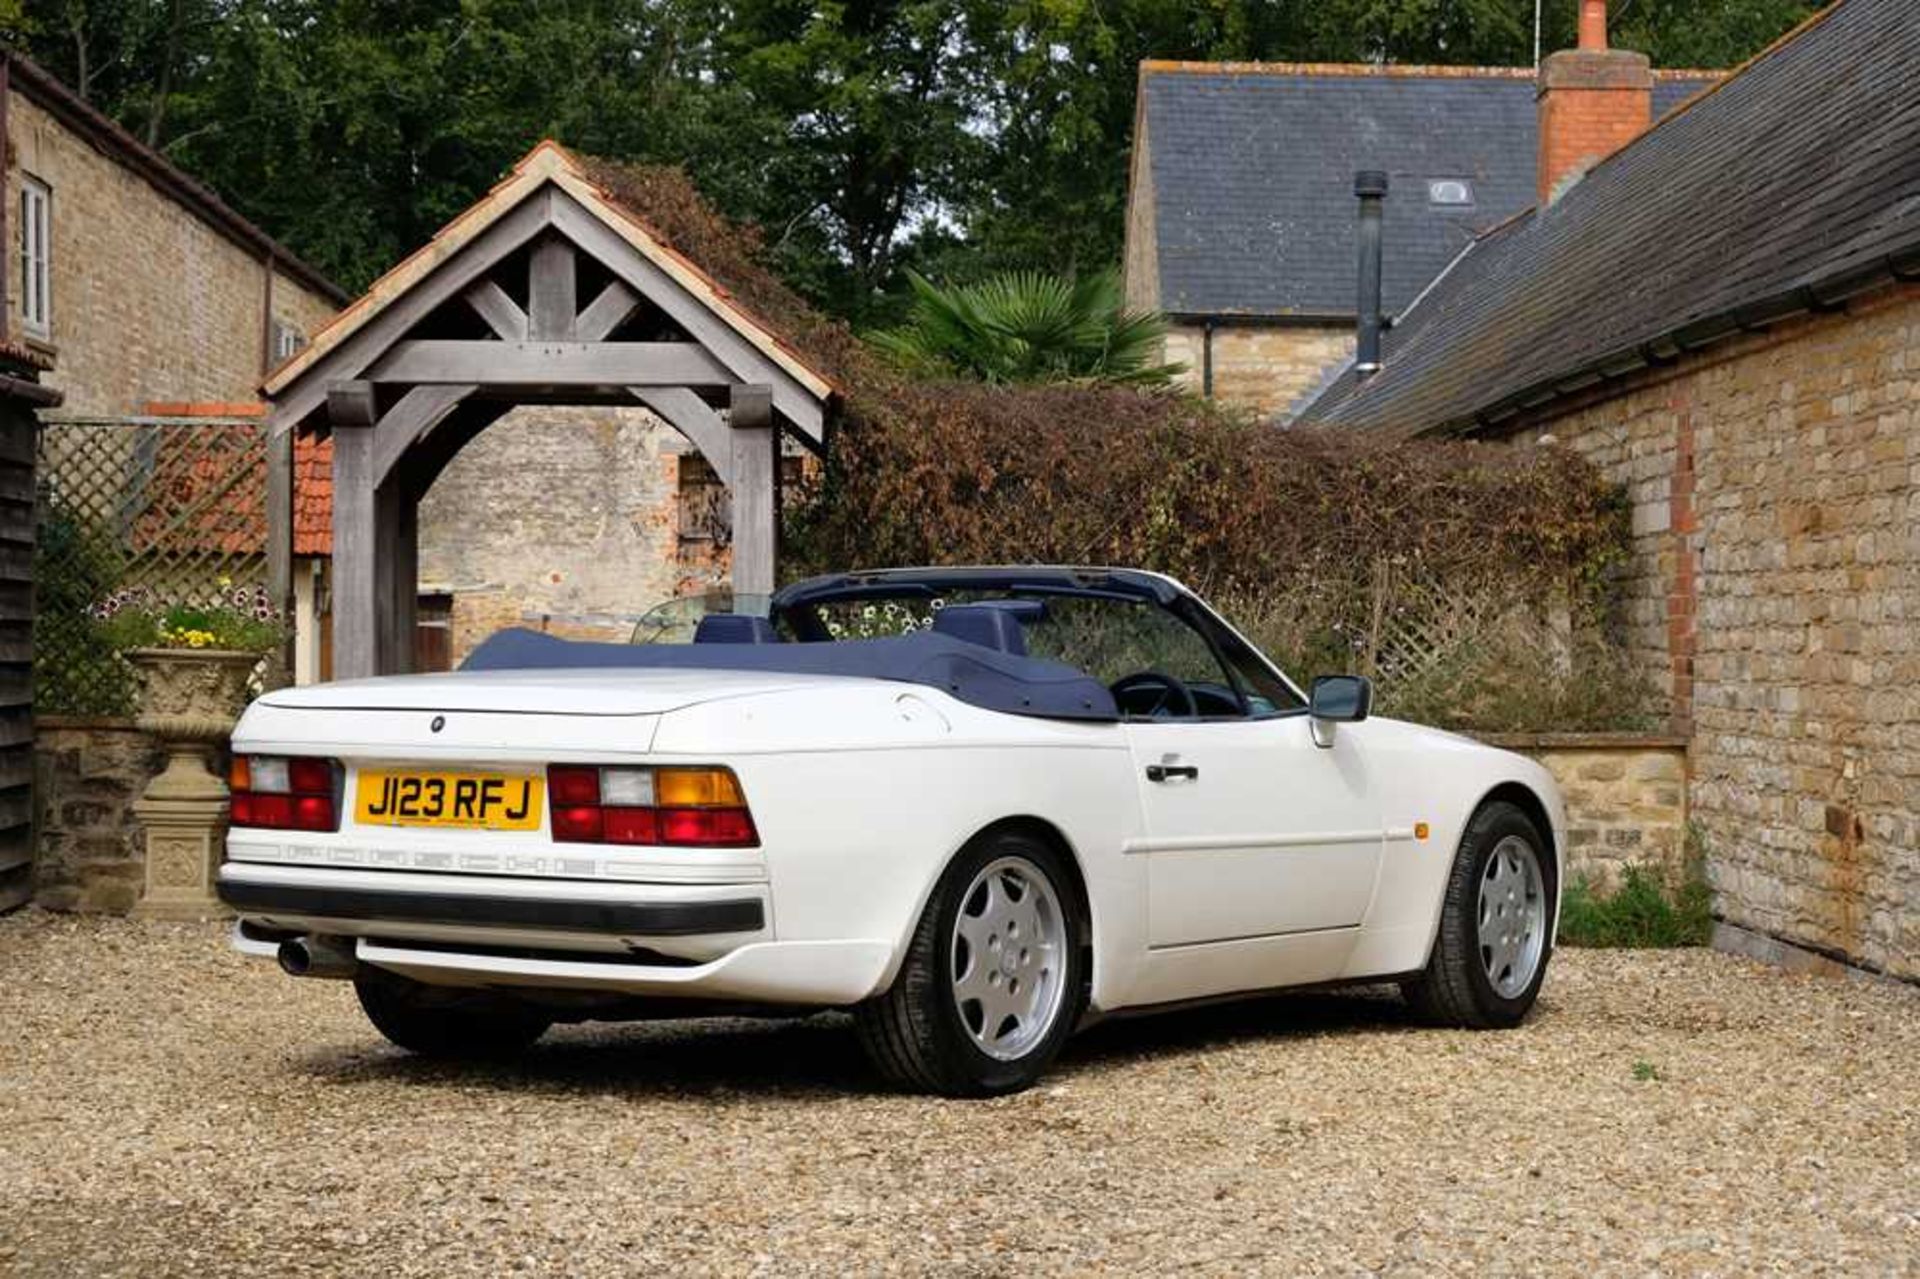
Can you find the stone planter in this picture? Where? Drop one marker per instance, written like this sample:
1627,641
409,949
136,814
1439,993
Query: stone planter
192,697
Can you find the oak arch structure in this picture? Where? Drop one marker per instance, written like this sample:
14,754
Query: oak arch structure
547,291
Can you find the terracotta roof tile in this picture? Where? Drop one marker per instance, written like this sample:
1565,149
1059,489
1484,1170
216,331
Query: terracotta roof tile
313,496
221,456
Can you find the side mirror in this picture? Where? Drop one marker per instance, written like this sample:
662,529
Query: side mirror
1340,699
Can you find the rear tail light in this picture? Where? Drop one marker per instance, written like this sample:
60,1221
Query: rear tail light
283,792
682,807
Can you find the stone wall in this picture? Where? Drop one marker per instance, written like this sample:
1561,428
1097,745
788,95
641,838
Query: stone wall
1775,588
566,520
149,301
1626,796
1264,368
87,775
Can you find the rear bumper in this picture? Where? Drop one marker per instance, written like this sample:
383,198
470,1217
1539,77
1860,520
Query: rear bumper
436,904
695,941
807,973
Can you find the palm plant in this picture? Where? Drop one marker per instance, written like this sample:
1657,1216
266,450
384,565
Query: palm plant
1029,326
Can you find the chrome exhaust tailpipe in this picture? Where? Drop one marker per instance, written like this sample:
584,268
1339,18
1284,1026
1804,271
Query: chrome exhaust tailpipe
317,956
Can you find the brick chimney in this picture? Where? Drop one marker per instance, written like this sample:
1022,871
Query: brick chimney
1593,100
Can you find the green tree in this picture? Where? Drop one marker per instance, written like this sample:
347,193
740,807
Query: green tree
354,129
1026,326
1705,33
848,131
955,137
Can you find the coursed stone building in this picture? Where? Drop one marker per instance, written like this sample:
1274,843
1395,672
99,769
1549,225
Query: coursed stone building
133,291
137,282
1724,315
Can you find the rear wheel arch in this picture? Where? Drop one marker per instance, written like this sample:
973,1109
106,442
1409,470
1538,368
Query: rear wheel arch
918,1031
1023,823
1045,831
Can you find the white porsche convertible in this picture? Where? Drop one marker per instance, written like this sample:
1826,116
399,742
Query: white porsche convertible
977,807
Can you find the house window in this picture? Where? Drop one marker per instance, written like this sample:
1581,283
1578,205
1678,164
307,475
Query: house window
287,340
36,257
1449,192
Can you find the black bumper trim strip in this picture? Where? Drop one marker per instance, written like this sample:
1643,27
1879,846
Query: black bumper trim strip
650,919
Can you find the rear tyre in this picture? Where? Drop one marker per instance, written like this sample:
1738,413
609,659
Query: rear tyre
1495,926
446,1022
994,979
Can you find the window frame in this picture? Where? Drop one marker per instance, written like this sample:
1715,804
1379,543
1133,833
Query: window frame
288,340
802,621
1435,185
1222,641
36,303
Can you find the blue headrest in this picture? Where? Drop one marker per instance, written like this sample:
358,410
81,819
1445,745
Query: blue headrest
732,628
988,625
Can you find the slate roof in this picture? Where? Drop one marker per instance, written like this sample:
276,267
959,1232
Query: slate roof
1791,185
1252,174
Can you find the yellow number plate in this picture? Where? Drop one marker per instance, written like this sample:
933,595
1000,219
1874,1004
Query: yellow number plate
477,801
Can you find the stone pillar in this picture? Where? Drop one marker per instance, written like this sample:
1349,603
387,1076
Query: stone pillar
184,819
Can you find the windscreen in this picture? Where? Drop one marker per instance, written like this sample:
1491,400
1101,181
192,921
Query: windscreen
1124,642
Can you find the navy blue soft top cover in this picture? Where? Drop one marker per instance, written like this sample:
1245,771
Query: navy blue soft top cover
973,673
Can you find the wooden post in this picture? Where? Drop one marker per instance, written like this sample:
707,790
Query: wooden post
550,291
355,549
393,577
279,444
352,403
755,476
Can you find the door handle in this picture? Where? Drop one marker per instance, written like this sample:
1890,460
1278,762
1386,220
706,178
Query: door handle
1167,772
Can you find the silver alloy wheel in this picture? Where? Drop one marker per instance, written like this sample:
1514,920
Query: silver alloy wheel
1513,917
1009,958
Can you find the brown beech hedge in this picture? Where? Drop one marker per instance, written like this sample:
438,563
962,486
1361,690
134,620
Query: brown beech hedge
951,473
1088,475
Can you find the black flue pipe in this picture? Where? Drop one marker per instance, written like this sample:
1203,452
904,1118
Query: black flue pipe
1370,185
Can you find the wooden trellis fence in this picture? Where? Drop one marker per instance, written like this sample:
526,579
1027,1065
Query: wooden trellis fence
176,506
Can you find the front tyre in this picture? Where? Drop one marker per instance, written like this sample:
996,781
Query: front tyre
993,980
1495,926
446,1022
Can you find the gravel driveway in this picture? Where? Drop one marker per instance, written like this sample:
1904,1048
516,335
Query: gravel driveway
169,1108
